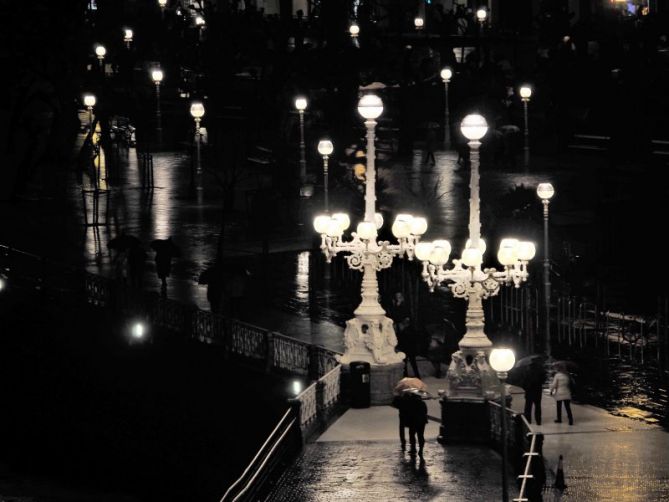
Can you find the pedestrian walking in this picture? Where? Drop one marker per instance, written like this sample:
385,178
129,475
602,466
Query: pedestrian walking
533,386
561,391
416,418
165,250
400,402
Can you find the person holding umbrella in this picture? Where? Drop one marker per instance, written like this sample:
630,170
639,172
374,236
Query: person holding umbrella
165,250
402,390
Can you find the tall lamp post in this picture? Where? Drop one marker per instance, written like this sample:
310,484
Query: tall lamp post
325,148
470,380
370,336
127,37
525,94
446,75
301,105
502,360
89,101
157,76
101,52
545,191
197,112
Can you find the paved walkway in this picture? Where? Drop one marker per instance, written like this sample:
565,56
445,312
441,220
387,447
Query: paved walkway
358,458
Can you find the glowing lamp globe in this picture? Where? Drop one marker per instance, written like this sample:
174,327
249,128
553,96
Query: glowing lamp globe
378,220
525,92
507,256
446,74
370,106
401,228
472,257
423,250
342,220
418,226
545,191
418,23
197,110
100,51
482,246
441,250
474,127
508,243
157,75
526,250
138,330
199,21
481,15
502,360
366,230
325,147
301,103
127,34
89,100
321,223
162,3
334,228
354,30
3,283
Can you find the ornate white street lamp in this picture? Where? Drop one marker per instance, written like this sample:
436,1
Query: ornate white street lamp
301,105
525,94
370,336
157,76
446,75
419,22
469,376
325,148
197,112
502,360
545,191
354,30
100,52
127,37
89,102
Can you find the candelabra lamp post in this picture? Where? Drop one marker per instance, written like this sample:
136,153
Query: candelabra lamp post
370,335
502,360
157,76
446,75
127,37
197,112
325,148
101,52
301,105
89,102
470,380
545,191
525,94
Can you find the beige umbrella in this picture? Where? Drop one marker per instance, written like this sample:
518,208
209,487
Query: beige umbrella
409,383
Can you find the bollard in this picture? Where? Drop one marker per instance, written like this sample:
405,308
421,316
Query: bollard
559,476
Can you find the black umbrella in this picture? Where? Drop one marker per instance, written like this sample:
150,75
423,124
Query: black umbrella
528,360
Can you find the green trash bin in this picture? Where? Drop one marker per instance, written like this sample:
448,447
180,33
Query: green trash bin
360,388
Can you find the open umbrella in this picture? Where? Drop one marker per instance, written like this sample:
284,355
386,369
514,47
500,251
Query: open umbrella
528,360
409,383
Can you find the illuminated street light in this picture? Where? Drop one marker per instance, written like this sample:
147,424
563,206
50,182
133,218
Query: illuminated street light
468,280
502,360
301,105
545,191
325,148
127,37
197,112
89,102
446,75
419,22
100,52
157,77
370,335
138,330
354,30
525,94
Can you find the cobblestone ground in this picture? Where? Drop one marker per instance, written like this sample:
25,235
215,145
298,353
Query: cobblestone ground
380,471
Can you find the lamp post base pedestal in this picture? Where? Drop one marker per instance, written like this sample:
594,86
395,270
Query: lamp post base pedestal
464,421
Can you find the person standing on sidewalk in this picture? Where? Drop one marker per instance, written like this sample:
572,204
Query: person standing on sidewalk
561,391
533,386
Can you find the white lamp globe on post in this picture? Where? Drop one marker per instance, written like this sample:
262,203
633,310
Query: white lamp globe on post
545,191
127,37
89,102
100,52
300,106
481,15
370,107
325,148
446,75
419,22
157,76
162,4
354,30
525,94
197,112
502,360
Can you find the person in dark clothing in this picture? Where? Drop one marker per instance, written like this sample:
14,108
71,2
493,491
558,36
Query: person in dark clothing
416,419
165,250
407,342
399,310
399,402
533,386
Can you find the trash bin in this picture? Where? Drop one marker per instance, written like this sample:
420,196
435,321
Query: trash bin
360,389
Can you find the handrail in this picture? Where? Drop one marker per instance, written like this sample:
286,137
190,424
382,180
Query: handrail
526,473
257,455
